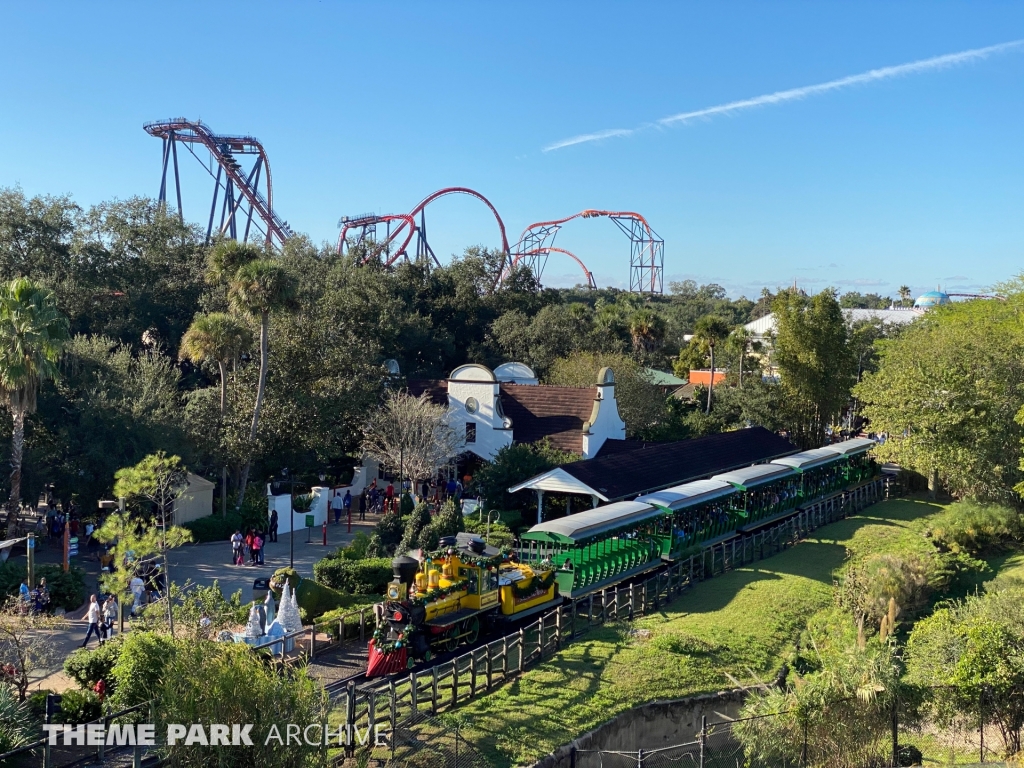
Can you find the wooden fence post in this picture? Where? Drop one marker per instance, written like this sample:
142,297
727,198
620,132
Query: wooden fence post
455,681
433,691
522,649
558,628
414,693
489,667
504,657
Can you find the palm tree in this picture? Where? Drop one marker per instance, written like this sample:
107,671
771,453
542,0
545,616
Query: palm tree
217,337
904,295
33,333
708,332
740,340
258,288
646,329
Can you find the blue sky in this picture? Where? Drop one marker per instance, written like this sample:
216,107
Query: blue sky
370,107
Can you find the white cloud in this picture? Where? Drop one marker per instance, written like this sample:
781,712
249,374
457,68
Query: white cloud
795,94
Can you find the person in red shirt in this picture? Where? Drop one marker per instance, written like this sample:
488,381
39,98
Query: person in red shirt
389,498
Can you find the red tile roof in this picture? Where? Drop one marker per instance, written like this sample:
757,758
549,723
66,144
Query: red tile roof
557,413
436,390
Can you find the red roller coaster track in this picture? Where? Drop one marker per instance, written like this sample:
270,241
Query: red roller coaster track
646,248
408,226
543,253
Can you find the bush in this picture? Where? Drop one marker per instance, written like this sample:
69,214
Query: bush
418,519
215,528
314,599
867,586
67,590
331,618
447,522
86,667
36,702
139,668
500,537
356,550
208,682
968,526
386,535
355,577
80,707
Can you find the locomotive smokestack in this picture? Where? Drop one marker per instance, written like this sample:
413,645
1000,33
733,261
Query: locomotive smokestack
404,569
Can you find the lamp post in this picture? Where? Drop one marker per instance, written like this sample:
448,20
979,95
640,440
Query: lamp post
291,512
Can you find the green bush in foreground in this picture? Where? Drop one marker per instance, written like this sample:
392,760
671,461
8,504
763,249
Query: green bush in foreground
87,666
354,577
80,707
975,528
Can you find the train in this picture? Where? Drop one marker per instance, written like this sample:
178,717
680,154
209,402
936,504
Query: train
441,600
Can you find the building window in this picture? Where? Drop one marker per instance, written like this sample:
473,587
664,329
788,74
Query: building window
470,432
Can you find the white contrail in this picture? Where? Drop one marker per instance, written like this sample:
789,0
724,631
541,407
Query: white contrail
884,73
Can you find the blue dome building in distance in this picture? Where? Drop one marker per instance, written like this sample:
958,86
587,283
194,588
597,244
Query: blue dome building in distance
932,299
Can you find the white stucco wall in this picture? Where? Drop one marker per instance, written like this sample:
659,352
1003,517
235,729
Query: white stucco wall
283,505
606,422
478,382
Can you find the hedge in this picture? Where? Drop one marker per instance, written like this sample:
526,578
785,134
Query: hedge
67,590
355,577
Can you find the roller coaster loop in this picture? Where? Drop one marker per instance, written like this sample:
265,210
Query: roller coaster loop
408,227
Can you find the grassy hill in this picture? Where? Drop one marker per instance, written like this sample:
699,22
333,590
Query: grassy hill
743,624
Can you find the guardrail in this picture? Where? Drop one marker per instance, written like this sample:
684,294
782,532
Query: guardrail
448,684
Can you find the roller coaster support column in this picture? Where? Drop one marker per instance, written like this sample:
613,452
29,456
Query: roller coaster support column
540,507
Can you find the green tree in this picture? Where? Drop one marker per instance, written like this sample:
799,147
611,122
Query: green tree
257,286
970,654
905,295
641,403
947,392
160,480
33,333
219,338
647,331
707,334
812,352
512,465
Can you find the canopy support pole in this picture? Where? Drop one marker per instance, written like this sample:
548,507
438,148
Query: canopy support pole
540,506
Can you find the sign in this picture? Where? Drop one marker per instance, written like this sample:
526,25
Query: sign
310,522
72,546
32,542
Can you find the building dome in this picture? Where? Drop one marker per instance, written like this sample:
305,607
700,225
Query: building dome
931,299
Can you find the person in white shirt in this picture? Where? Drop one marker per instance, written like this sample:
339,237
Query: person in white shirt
138,588
93,617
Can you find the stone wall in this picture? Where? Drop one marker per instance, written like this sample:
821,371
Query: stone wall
654,725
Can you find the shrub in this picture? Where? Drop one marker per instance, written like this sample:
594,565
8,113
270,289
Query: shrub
17,726
215,528
419,518
968,526
354,577
36,702
356,550
67,590
867,586
86,667
354,603
139,668
80,707
314,599
447,522
386,535
500,537
208,682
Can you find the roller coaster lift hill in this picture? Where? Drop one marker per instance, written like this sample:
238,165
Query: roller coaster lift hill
242,208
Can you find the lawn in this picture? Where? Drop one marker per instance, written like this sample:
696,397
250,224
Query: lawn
742,625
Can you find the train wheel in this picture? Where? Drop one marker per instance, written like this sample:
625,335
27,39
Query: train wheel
451,640
471,630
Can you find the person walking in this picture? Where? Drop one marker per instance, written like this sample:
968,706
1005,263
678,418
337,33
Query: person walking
362,505
257,548
273,526
347,504
389,497
93,617
110,616
336,505
236,548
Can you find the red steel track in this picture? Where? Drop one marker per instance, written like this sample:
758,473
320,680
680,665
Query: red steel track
549,250
409,228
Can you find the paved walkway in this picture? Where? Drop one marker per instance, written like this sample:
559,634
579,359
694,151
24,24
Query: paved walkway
201,564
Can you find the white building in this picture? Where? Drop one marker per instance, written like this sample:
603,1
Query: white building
764,327
493,409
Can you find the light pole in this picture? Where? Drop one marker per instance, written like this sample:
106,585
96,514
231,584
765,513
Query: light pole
487,536
291,512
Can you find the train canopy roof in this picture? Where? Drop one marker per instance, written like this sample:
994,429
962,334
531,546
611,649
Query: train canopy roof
806,460
853,447
688,494
600,521
751,477
631,471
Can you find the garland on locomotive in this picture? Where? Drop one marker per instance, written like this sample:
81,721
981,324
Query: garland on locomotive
441,600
